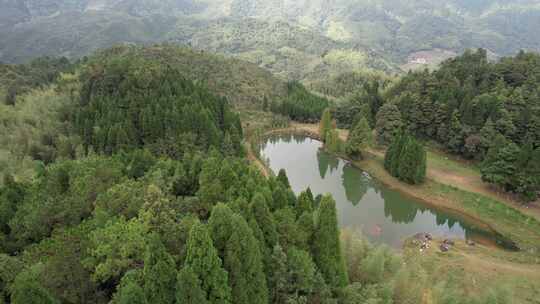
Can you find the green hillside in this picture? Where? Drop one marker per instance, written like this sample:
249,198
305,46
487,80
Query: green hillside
296,40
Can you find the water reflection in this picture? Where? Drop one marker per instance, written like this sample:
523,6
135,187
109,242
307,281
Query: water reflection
382,213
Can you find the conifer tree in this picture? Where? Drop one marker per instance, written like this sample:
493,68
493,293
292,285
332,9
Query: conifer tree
243,261
333,143
283,179
189,288
359,138
305,202
326,246
202,258
412,162
264,219
325,124
159,273
221,226
388,123
278,277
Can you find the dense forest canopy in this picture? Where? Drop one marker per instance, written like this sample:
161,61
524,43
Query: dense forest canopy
481,110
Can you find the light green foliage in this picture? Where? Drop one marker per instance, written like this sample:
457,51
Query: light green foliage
326,246
27,289
129,290
64,195
359,138
189,289
159,273
116,248
122,199
305,202
160,214
202,258
333,143
33,131
409,285
325,125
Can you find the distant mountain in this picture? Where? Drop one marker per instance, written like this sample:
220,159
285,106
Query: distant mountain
298,39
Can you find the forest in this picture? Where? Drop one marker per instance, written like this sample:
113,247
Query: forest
488,112
135,189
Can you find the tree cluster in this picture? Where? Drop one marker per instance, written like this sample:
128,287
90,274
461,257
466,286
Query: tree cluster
300,104
127,102
464,106
406,159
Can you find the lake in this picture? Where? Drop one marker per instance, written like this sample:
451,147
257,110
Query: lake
384,215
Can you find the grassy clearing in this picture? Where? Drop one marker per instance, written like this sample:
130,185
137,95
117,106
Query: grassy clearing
474,269
511,223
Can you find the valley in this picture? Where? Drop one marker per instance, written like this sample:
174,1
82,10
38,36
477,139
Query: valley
269,152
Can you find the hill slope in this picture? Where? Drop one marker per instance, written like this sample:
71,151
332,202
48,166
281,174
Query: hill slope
292,38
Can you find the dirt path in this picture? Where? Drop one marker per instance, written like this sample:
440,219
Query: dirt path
257,162
470,181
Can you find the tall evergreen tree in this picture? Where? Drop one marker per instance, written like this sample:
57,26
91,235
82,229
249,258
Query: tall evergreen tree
202,258
283,179
221,226
388,123
189,288
159,273
264,219
278,277
325,124
243,261
333,143
326,246
305,202
359,138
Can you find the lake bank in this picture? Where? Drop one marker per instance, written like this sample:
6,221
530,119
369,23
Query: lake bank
485,211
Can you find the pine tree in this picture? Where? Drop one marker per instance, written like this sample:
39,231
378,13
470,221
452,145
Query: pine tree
283,179
305,202
326,246
406,159
243,261
202,258
412,162
159,273
333,143
359,138
278,277
325,124
264,219
221,226
388,124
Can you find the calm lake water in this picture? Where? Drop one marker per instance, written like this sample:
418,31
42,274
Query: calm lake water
384,215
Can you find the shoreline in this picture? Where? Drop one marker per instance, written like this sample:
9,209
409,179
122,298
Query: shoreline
428,195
